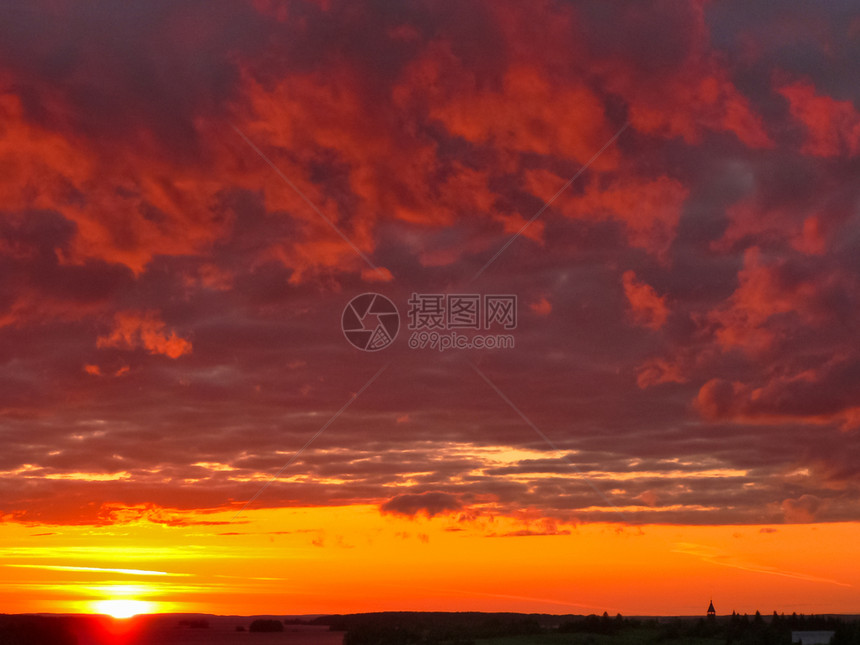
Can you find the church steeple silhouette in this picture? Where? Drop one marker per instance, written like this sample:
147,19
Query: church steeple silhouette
711,611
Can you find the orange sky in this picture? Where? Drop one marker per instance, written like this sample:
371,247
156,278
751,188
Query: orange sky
349,559
195,198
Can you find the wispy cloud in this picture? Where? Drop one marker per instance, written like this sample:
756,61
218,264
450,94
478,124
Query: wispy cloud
128,572
724,559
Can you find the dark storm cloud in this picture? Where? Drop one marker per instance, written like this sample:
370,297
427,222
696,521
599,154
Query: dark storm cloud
119,67
430,503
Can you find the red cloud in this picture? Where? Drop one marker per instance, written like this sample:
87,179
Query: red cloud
522,112
766,290
649,209
145,329
832,127
717,399
660,370
797,226
542,306
801,510
384,171
701,97
125,210
648,497
690,93
824,395
645,306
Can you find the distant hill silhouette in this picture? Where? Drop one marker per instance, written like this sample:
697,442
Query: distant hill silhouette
36,630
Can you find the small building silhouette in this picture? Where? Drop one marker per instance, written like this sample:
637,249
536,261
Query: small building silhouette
711,611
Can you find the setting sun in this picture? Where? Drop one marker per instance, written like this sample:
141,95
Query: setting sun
122,608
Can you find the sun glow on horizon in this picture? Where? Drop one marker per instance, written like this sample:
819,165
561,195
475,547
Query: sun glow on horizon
319,560
123,607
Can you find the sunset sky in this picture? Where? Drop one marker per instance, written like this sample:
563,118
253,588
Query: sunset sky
192,192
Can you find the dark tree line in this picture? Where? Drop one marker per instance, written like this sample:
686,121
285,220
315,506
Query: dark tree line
417,628
410,628
266,625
